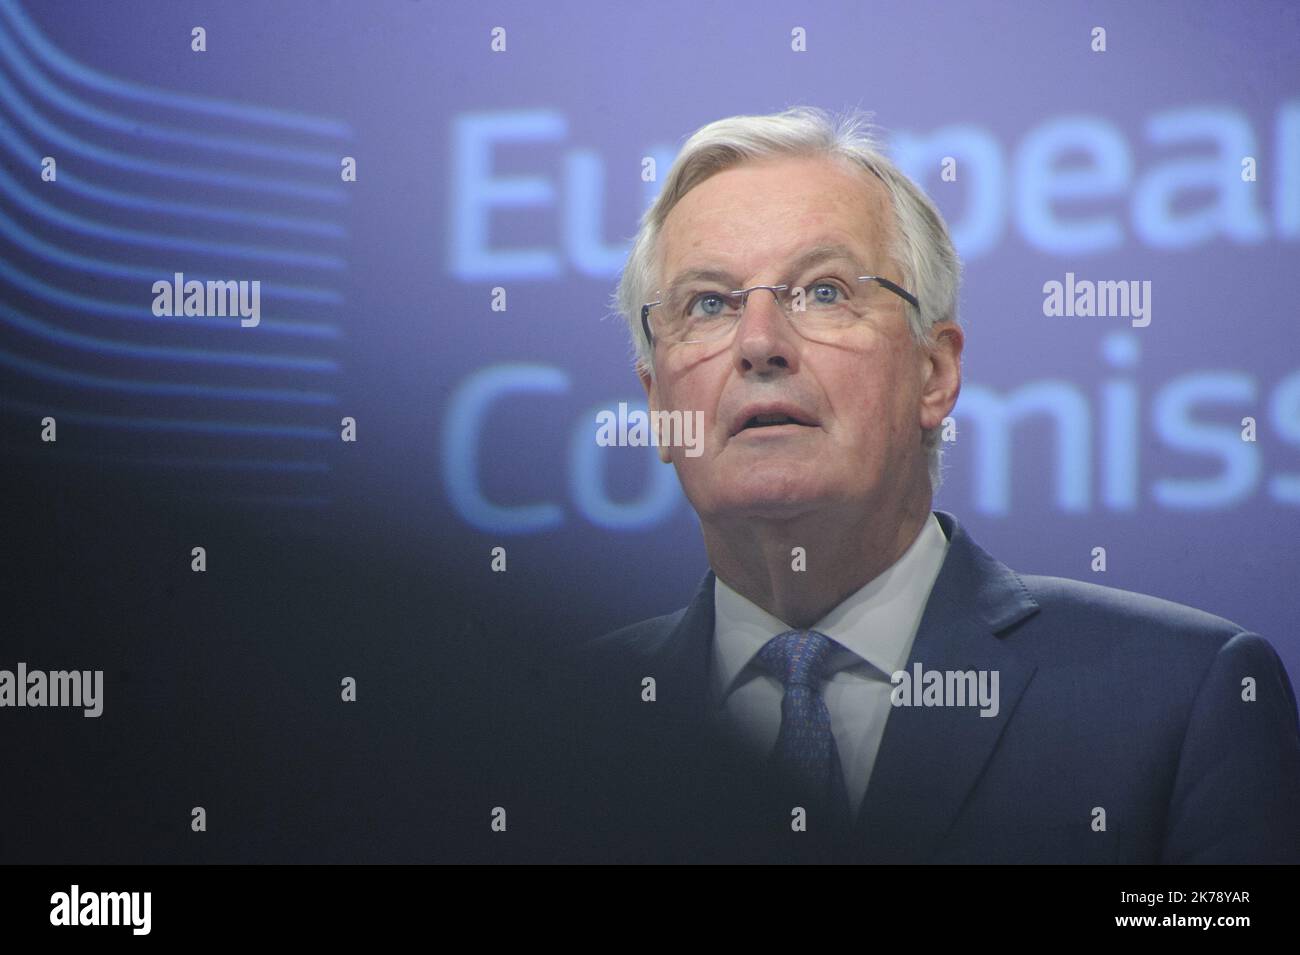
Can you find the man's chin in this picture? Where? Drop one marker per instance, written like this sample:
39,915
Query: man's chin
768,506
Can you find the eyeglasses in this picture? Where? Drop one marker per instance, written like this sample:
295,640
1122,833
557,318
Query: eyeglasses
694,313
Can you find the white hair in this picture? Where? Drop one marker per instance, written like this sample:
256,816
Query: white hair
921,248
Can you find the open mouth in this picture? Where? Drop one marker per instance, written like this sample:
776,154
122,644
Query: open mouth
771,418
773,422
770,421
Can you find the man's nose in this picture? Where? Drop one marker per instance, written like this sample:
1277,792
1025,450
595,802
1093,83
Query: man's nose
764,336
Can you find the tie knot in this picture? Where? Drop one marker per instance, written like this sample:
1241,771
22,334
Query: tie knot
797,657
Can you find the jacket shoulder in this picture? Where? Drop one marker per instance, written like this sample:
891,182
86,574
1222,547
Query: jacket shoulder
1125,608
642,640
1080,622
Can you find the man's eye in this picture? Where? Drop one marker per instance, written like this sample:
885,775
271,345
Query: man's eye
825,293
711,302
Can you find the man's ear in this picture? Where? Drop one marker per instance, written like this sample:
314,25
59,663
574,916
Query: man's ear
652,402
942,373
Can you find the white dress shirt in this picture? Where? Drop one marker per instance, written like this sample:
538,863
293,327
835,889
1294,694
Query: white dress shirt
876,626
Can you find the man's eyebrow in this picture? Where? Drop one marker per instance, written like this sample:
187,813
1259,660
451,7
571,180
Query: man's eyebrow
814,256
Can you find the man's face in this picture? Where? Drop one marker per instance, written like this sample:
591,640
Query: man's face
864,392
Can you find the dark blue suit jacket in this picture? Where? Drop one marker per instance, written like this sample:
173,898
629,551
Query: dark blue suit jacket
1111,703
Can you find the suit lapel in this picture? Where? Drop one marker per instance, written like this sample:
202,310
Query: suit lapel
686,658
930,757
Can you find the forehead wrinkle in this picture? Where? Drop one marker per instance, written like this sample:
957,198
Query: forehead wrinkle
824,252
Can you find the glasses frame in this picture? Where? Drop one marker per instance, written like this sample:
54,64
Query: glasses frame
898,290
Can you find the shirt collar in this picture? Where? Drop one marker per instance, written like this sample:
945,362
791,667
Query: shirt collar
876,623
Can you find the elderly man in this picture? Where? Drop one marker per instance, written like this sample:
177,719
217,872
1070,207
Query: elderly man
855,678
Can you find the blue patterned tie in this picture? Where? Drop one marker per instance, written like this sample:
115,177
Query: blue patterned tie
805,754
